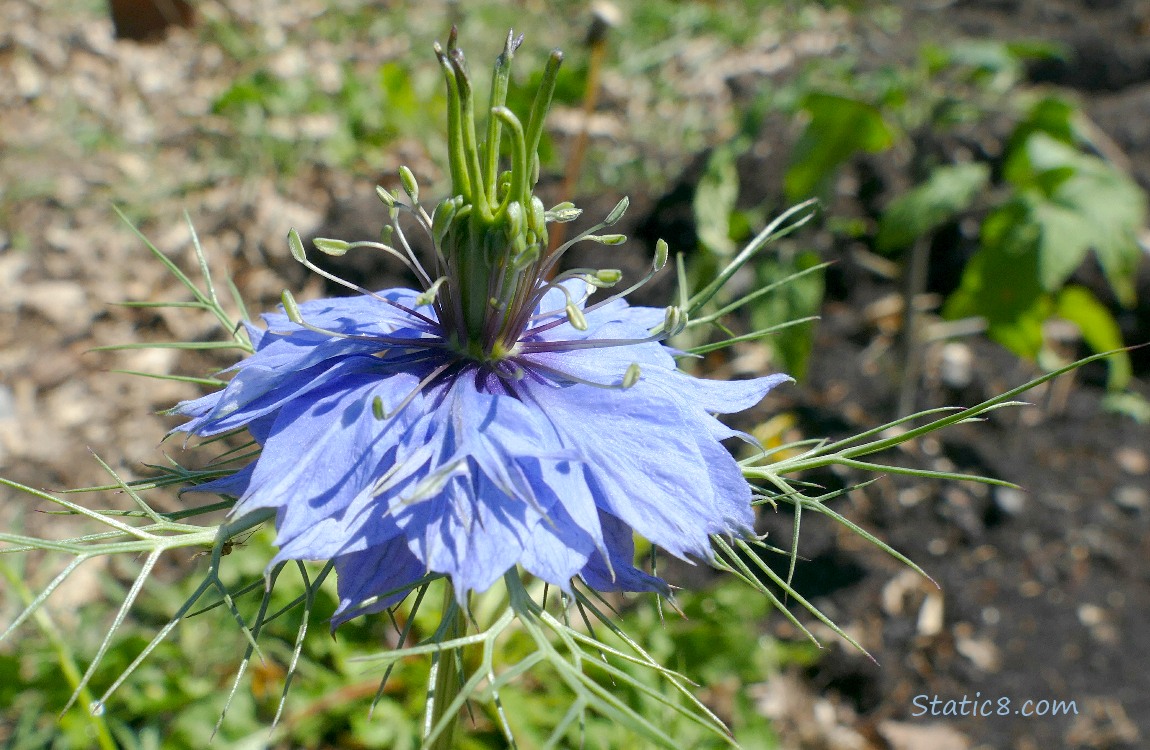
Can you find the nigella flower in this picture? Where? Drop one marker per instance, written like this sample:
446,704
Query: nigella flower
497,418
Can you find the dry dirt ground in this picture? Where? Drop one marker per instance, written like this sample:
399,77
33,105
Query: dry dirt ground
1043,593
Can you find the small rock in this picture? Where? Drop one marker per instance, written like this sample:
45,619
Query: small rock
930,615
29,78
956,366
898,590
62,302
1131,498
981,652
1009,500
912,496
902,735
7,403
1030,589
149,20
1132,461
1091,615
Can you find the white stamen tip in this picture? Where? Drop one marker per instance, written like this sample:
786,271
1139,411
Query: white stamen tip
575,317
295,245
410,186
385,196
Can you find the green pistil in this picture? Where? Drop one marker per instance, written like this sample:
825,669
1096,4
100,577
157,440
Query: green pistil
494,241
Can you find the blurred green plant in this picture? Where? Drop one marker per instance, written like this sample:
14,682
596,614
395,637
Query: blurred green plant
1056,205
1043,208
293,120
1045,204
787,283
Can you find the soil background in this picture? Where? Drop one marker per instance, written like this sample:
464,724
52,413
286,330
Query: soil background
1042,594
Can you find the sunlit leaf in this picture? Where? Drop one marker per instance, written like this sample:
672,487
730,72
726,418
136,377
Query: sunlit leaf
1000,283
1099,329
948,191
839,128
715,201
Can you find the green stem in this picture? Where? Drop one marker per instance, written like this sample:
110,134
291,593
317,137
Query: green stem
64,657
446,674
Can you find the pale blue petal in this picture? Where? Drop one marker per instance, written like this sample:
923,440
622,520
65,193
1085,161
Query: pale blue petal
570,533
374,572
470,531
642,448
325,449
620,574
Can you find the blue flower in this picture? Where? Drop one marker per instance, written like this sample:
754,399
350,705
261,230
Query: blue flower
497,418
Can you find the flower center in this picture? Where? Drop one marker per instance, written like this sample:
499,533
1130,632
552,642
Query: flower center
491,236
493,281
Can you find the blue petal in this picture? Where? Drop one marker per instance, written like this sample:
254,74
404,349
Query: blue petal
374,572
476,474
255,392
471,531
643,446
358,315
322,450
570,533
473,514
620,574
234,485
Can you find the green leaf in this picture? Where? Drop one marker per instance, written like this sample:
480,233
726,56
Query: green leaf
1080,203
1130,404
715,201
1064,242
1001,284
997,65
839,128
1053,116
948,191
1099,329
799,298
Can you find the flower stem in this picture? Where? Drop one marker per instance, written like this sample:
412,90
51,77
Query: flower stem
446,674
98,726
